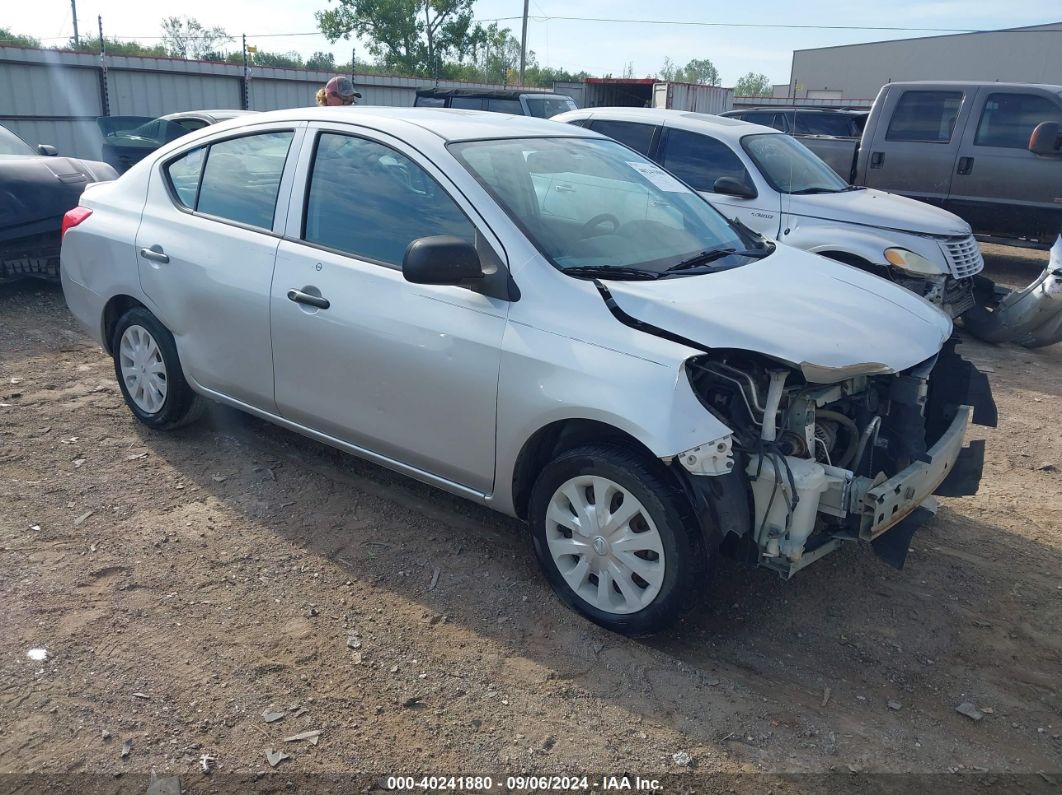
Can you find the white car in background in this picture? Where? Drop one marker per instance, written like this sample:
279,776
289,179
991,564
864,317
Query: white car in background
641,380
775,185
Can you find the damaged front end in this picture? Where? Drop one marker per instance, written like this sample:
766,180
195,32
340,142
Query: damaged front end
1031,317
827,460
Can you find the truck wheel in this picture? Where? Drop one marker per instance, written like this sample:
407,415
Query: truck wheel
615,539
149,372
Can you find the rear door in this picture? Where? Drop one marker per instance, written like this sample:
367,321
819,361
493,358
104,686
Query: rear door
916,145
1000,187
205,250
699,160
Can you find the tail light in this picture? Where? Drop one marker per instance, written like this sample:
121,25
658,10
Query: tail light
73,218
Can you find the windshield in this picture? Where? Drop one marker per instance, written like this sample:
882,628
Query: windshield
789,166
595,204
11,144
548,107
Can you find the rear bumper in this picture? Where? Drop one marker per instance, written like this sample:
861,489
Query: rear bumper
86,306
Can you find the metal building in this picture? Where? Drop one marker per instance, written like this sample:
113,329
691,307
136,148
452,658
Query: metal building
858,71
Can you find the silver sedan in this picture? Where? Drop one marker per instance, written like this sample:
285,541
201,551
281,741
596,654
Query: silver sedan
525,314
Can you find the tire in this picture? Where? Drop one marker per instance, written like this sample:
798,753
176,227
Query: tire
149,372
660,539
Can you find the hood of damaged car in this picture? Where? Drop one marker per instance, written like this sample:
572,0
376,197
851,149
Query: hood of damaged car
36,188
869,207
829,320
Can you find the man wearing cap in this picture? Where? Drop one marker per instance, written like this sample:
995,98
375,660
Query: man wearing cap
338,91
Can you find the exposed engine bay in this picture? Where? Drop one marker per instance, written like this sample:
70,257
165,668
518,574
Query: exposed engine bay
829,462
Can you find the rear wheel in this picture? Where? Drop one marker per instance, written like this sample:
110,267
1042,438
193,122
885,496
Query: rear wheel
149,372
615,539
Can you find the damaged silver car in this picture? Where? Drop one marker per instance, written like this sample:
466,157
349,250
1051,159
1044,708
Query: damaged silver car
646,383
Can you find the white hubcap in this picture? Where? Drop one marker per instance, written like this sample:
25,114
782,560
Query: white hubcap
605,544
143,369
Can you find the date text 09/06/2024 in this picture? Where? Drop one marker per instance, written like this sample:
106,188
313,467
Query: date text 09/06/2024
523,783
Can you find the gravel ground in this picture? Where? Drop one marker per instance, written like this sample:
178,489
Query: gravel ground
185,584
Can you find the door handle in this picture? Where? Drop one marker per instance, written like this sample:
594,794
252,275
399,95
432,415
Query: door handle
562,188
965,165
877,159
155,254
299,297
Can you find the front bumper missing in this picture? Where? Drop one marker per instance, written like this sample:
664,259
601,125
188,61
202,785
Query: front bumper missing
886,504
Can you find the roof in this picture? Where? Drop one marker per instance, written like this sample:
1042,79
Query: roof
1045,28
217,113
447,123
719,126
496,93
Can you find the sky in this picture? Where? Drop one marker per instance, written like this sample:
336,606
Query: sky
597,47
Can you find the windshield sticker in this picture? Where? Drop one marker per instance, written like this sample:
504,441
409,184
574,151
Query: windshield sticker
658,177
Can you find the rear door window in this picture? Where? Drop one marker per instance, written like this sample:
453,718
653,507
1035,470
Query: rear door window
767,119
835,124
638,137
927,116
236,180
241,178
700,160
467,103
1009,119
512,106
372,201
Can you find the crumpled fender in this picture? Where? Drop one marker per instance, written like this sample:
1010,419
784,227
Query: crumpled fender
1031,317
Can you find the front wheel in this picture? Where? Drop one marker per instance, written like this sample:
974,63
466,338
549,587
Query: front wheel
149,372
615,539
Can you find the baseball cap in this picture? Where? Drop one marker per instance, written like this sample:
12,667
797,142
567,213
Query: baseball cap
341,86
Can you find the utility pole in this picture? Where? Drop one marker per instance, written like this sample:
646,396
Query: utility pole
246,93
105,93
73,11
523,44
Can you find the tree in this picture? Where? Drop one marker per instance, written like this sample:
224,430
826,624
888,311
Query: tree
497,53
753,84
415,36
322,61
696,71
287,60
187,38
701,71
11,39
117,47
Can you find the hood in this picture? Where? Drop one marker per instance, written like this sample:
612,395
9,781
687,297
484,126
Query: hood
830,320
38,188
869,207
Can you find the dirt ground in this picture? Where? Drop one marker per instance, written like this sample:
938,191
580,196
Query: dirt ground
185,584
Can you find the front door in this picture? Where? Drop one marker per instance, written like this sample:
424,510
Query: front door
1000,187
699,160
914,152
408,372
205,249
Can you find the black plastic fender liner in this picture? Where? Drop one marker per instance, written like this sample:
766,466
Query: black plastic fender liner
721,502
893,545
965,477
956,382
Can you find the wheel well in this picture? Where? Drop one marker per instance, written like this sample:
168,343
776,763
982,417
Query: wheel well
116,307
552,440
849,259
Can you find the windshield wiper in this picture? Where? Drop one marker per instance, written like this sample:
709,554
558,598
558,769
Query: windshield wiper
716,253
806,191
610,272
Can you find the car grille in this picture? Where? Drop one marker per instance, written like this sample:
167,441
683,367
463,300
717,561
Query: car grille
964,257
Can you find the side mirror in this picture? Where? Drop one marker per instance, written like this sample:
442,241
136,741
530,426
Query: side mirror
731,186
46,150
441,259
1045,139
